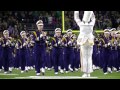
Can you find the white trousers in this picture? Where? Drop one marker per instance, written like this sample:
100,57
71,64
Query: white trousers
86,51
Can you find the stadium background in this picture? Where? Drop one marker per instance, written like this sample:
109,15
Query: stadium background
16,21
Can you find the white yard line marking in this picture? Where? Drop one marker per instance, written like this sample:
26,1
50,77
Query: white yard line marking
55,77
7,74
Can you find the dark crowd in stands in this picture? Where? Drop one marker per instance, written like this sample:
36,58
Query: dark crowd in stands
104,19
16,21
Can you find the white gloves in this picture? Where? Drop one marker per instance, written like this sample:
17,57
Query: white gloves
55,44
69,42
37,38
105,45
66,45
41,35
24,44
108,44
3,45
59,42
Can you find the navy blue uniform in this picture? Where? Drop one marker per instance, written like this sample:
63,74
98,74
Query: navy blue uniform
95,53
6,54
114,53
118,48
1,55
77,57
39,51
57,53
11,55
47,55
17,56
69,54
23,55
106,54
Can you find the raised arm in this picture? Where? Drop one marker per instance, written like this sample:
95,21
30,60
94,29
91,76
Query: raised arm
93,19
76,17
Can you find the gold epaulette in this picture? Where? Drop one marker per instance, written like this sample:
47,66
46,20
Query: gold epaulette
53,39
112,41
35,34
64,39
20,41
102,40
2,39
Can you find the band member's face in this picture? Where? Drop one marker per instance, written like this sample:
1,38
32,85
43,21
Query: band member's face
6,35
69,34
40,27
58,34
106,34
23,35
113,33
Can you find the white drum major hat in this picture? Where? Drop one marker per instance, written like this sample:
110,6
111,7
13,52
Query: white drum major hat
87,16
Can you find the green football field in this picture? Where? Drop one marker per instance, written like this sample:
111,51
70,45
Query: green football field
97,74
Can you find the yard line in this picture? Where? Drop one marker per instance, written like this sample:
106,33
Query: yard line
8,74
55,77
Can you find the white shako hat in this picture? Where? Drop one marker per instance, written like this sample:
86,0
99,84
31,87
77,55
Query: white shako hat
5,31
22,32
87,16
57,30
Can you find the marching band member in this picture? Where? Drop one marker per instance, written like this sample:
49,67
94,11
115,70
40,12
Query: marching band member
39,49
23,51
6,50
106,50
113,47
69,54
57,44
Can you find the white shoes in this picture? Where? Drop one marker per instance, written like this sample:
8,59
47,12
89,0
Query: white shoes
97,68
28,68
5,72
67,71
109,70
31,68
61,71
56,73
94,67
88,75
49,69
22,71
114,69
37,74
10,69
46,68
105,73
0,70
76,69
84,75
42,70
